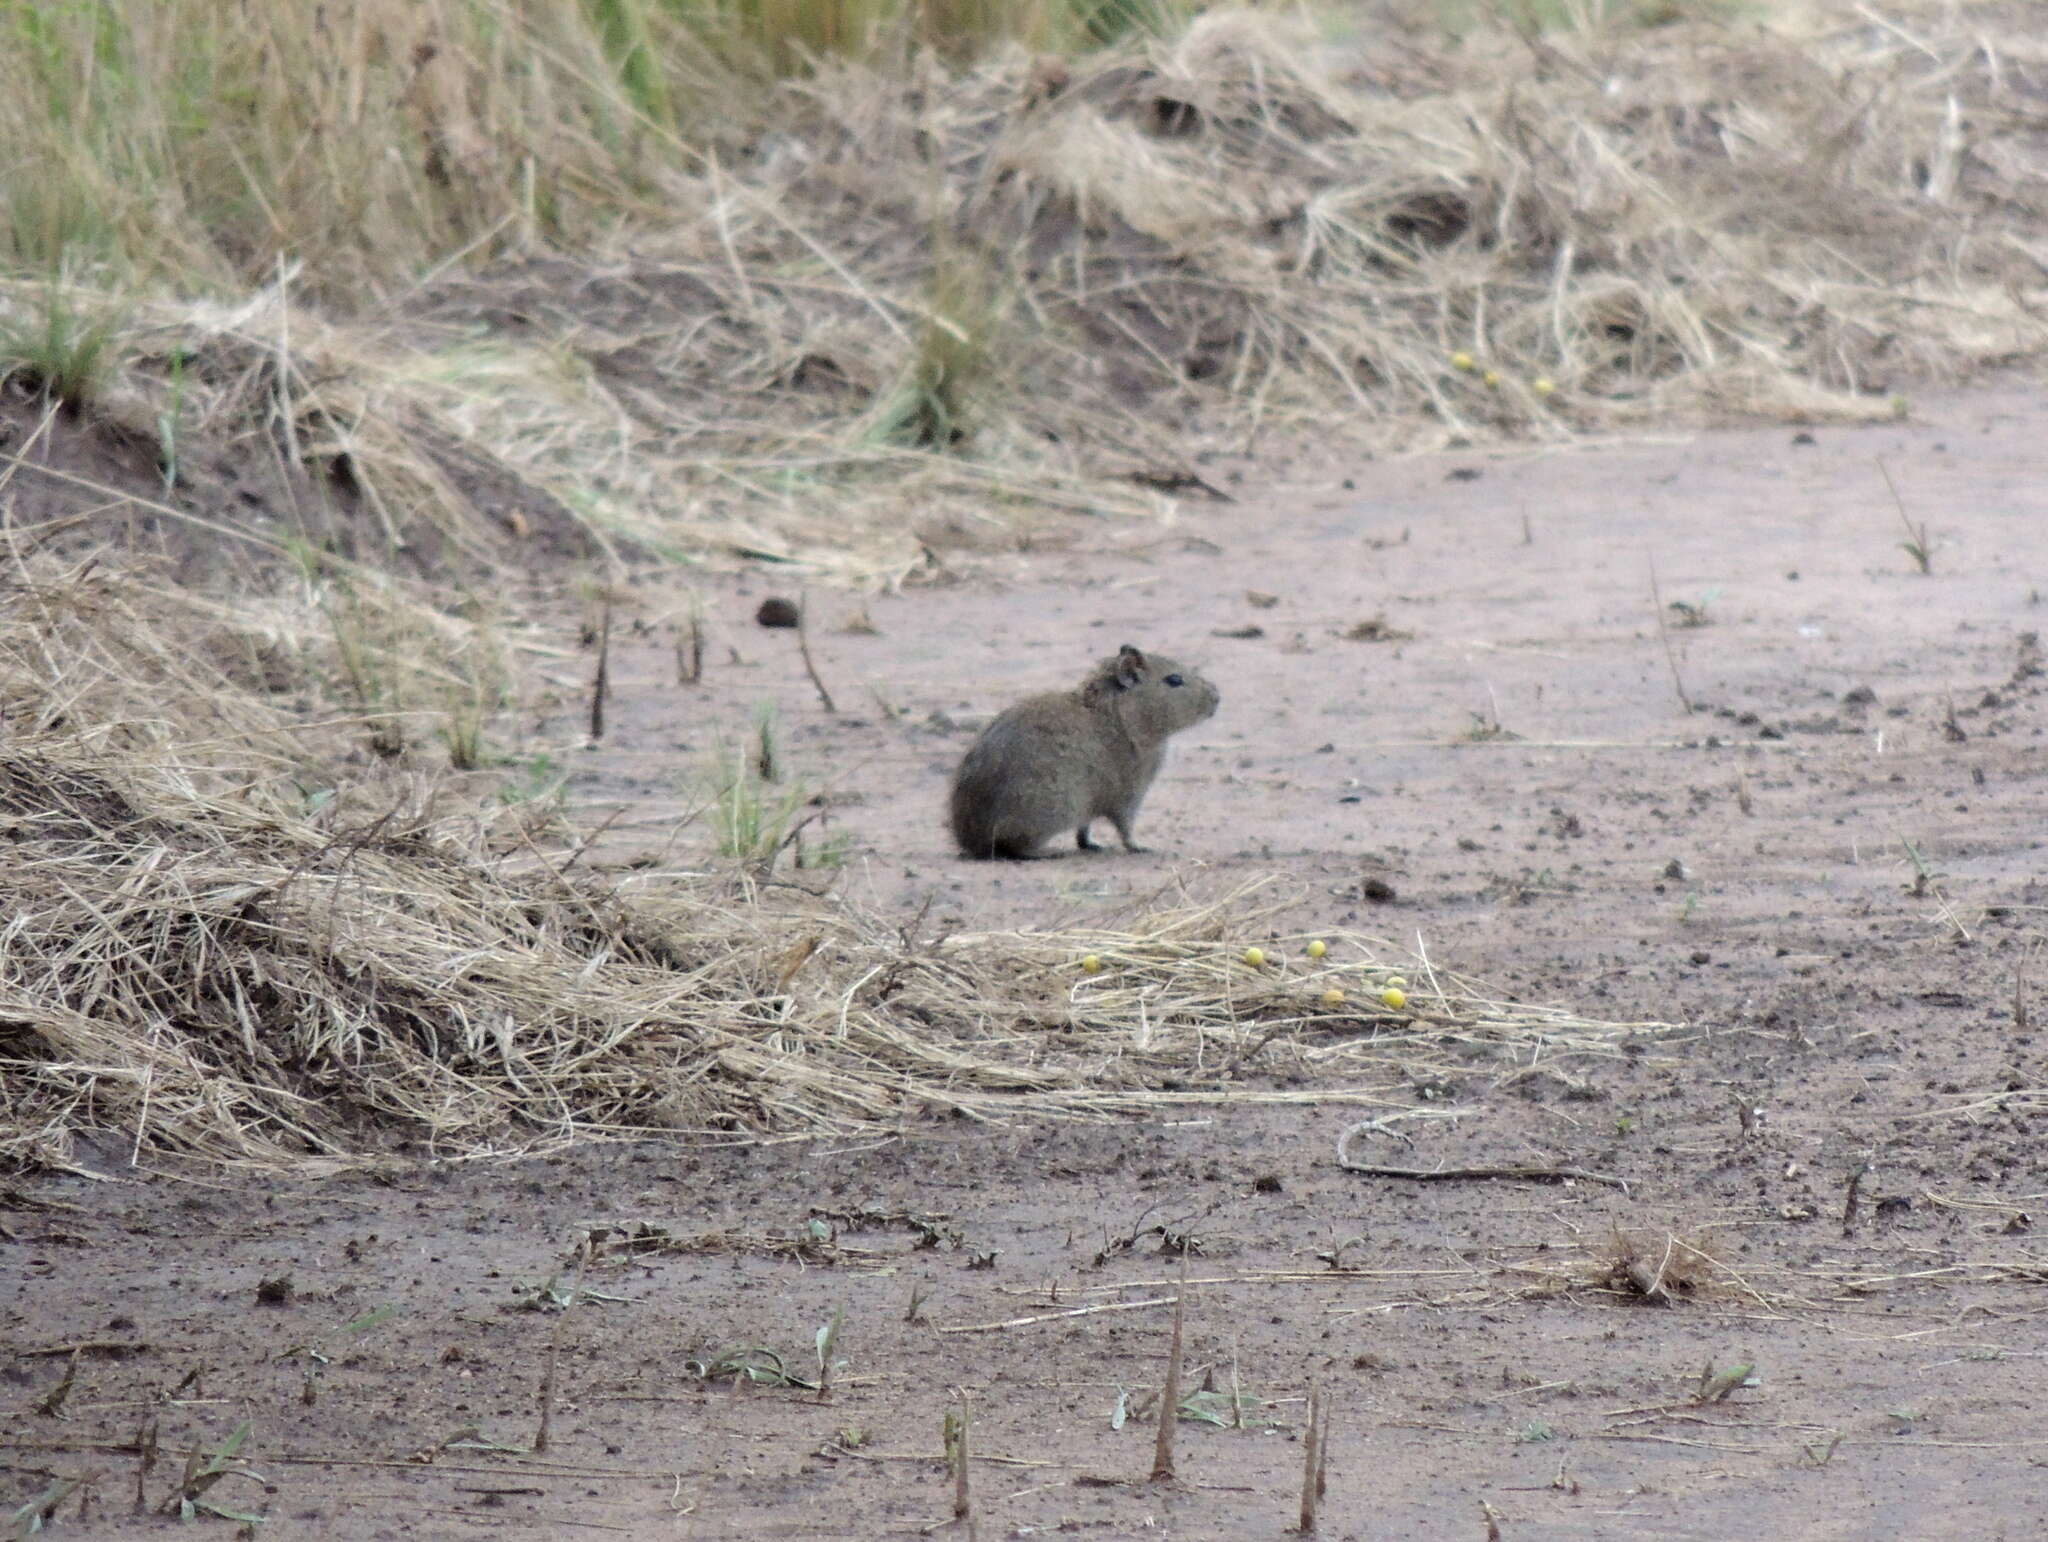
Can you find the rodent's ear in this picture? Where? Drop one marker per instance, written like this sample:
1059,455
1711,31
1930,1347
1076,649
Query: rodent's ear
1130,666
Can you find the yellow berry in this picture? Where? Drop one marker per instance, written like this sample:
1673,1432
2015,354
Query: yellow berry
1395,982
1091,965
1394,998
1543,385
1255,956
1318,948
1491,377
1333,997
1461,361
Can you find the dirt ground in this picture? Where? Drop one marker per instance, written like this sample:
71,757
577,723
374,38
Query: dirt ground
1829,876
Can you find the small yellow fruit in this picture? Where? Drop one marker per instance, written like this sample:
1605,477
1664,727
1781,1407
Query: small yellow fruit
1318,948
1543,385
1491,377
1394,998
1395,982
1333,997
1255,956
1091,965
1461,361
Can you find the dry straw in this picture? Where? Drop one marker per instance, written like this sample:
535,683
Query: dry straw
244,986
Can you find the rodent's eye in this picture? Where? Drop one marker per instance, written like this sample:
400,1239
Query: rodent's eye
1175,680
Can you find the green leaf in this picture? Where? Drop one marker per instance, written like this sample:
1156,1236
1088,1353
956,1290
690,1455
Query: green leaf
1716,1385
371,1319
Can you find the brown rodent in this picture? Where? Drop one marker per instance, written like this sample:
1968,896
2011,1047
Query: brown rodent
1065,759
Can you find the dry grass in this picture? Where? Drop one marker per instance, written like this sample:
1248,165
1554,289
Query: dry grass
1656,1269
271,696
891,285
187,141
240,986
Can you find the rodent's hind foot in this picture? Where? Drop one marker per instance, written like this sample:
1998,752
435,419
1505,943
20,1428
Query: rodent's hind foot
1084,840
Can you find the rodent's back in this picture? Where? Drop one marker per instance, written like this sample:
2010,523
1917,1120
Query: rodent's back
1028,775
1056,762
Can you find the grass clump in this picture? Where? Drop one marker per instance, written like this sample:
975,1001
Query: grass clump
413,676
751,817
60,344
192,1495
952,367
757,812
754,820
1656,1269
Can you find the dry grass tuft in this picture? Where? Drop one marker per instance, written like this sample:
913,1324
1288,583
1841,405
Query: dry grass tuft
1656,1268
233,695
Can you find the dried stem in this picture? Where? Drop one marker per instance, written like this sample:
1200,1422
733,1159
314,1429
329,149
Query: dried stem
547,1382
601,686
1169,1397
957,1427
1664,635
690,651
1312,1463
803,647
1852,1199
1915,545
146,1453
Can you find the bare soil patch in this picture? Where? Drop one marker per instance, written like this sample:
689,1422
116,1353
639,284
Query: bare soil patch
1827,879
